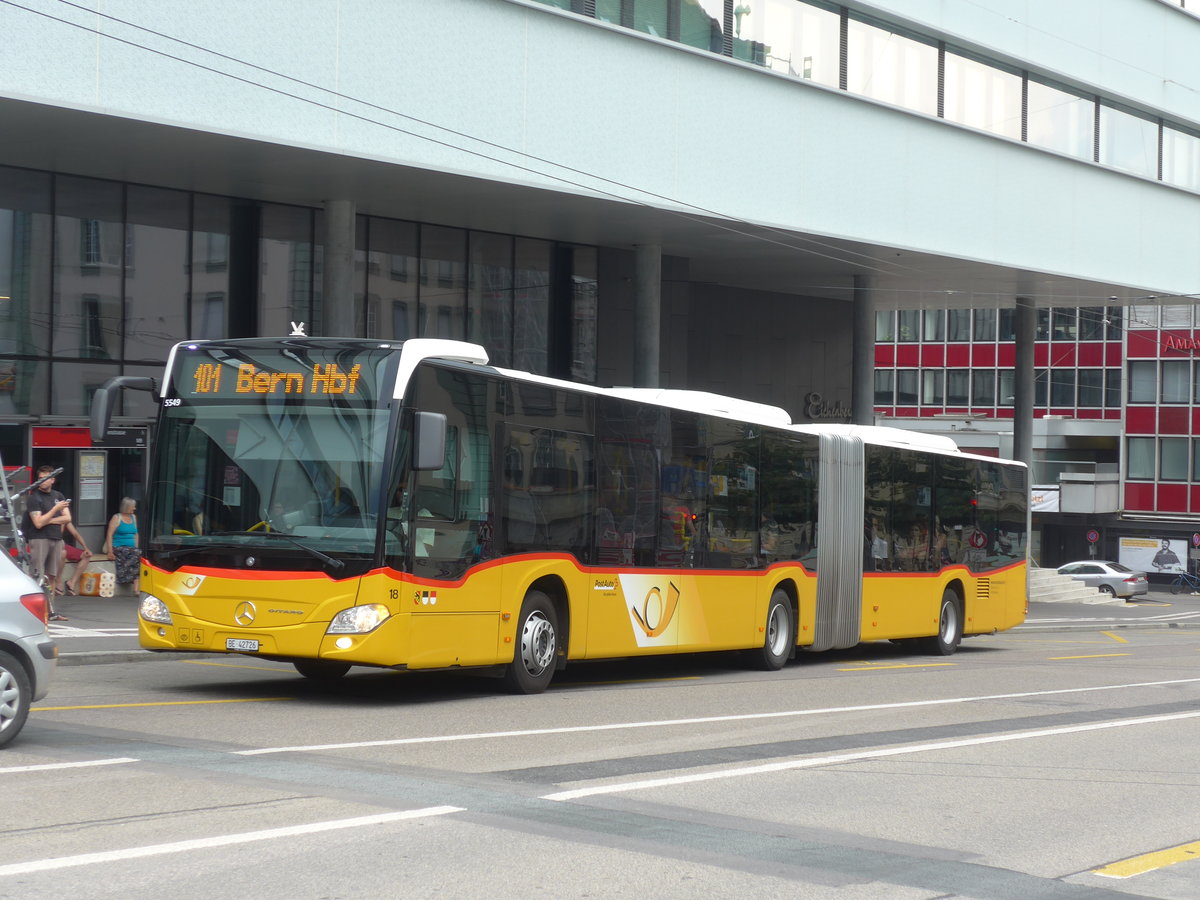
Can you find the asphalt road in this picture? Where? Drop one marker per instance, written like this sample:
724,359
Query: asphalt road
1027,765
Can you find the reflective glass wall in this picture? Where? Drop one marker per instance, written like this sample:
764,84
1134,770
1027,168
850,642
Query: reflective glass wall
99,278
813,40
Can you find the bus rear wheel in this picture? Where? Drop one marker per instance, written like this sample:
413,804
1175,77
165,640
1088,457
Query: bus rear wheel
321,669
536,652
950,627
780,634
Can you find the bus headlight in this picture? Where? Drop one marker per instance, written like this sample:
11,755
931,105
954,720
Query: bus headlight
358,619
154,610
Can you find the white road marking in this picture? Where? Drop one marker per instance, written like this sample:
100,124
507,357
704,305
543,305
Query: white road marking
70,631
45,767
662,723
812,762
88,859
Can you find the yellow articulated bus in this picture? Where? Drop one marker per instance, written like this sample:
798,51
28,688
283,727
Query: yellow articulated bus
335,503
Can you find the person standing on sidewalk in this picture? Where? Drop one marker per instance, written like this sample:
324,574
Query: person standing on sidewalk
46,513
121,542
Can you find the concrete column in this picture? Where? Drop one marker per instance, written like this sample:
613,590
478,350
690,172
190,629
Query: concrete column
1026,326
647,314
339,311
862,377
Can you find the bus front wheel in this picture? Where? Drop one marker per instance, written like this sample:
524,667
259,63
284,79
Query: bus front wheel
321,669
780,634
950,627
537,646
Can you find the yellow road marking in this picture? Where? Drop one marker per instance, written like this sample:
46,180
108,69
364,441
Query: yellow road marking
1147,862
1036,641
200,662
900,666
1116,637
162,703
1090,656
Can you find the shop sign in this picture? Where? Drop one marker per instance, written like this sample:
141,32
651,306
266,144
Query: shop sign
816,408
1171,342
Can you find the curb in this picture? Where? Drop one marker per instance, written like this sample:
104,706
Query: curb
109,657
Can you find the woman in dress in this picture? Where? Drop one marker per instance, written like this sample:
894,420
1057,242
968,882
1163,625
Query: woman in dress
121,542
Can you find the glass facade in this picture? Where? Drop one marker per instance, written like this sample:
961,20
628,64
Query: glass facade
965,357
816,40
102,277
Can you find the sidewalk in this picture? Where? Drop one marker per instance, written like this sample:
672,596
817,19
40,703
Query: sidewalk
104,629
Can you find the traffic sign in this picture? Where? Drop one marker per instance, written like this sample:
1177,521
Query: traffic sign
1196,540
1093,535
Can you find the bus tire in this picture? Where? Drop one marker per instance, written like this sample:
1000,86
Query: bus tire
321,669
950,627
780,634
536,651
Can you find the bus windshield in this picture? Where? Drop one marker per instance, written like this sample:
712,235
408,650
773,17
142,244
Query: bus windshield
264,451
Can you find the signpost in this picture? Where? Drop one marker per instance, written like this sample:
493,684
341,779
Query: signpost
1093,535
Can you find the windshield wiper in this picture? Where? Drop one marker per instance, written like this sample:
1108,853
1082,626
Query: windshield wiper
313,551
184,551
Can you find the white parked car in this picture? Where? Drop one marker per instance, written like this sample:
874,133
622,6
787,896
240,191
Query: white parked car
27,654
1110,578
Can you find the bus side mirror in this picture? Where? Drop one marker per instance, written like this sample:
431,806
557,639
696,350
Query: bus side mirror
105,398
429,448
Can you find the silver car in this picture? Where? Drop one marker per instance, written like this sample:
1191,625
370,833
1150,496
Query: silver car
1110,578
27,654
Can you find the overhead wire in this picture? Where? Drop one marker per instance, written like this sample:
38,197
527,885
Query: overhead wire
840,255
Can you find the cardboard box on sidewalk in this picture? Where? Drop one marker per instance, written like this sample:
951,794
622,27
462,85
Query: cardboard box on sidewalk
99,579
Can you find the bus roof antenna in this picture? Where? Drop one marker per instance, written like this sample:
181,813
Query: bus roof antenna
297,330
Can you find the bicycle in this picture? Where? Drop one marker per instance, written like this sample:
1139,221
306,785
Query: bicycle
1185,582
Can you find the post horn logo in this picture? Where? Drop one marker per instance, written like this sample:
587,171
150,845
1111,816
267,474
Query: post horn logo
656,615
244,613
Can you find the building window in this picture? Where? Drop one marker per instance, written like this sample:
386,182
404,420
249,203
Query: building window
1128,142
1091,323
908,328
1177,316
931,388
985,325
1176,380
1143,381
1114,329
1060,120
891,68
1062,387
885,325
795,39
1195,460
958,385
1091,387
958,325
885,381
1112,388
1181,159
1140,459
935,324
1007,393
982,96
906,387
1063,324
1007,330
1173,459
983,387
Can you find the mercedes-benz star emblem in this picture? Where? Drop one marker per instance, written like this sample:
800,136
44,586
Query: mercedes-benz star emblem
245,613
